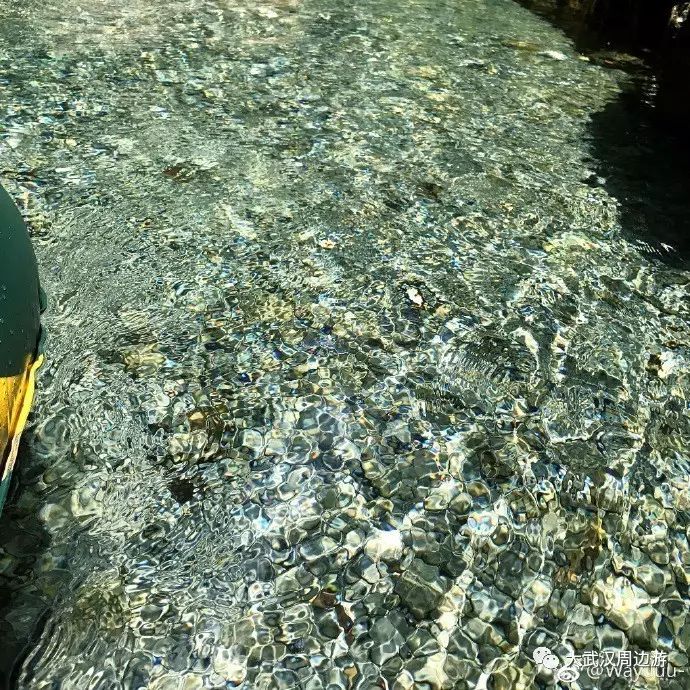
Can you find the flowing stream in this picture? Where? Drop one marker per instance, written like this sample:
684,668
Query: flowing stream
356,377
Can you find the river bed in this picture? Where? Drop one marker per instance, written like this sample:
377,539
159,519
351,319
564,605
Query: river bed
355,377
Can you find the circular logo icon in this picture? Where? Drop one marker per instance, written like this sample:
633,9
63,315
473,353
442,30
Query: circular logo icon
546,658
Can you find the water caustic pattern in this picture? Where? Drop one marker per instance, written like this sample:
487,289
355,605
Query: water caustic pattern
353,380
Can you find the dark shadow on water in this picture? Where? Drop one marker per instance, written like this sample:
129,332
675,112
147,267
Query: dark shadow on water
23,542
639,143
645,163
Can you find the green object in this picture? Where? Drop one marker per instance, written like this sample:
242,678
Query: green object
20,292
21,302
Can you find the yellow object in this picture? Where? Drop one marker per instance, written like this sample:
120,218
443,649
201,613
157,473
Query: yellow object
21,335
16,396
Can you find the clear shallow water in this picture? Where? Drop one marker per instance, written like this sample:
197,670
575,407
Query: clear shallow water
354,380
